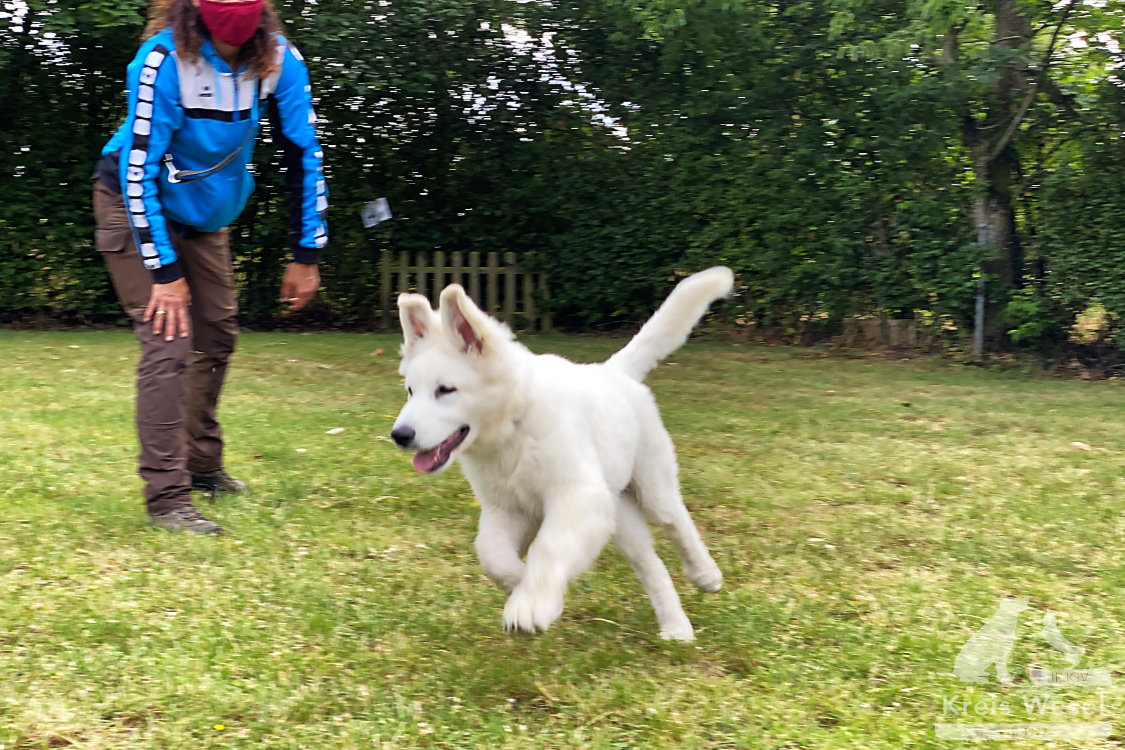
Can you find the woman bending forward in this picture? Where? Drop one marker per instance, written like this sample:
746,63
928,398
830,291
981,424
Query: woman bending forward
168,184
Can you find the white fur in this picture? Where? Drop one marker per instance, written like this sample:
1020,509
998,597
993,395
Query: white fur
563,457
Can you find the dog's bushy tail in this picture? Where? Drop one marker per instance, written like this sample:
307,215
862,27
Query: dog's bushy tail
669,328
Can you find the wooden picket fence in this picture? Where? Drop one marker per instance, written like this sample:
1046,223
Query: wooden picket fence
506,292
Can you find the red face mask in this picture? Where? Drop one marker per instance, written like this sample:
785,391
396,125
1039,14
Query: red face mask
231,23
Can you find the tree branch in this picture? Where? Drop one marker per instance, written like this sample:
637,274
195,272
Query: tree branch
1044,158
1059,97
949,49
1055,37
1042,77
1014,125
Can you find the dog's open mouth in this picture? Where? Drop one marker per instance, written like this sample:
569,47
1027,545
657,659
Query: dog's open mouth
431,460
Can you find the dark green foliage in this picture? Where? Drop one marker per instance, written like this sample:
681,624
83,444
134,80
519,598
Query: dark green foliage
832,185
57,103
1083,231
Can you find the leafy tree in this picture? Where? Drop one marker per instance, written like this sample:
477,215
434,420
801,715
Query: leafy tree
1018,77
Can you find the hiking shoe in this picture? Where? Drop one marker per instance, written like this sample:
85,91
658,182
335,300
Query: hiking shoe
186,518
217,482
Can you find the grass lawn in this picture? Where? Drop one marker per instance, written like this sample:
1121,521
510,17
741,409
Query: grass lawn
868,516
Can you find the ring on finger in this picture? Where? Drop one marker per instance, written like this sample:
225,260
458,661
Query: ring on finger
160,312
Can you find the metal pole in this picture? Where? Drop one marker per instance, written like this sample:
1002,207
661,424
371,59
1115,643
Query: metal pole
978,327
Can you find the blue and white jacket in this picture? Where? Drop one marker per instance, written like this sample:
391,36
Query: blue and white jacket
199,113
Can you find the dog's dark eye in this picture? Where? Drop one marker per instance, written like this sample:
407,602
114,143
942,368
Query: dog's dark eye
409,391
445,390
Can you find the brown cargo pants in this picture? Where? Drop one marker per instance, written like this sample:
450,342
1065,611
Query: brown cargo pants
178,381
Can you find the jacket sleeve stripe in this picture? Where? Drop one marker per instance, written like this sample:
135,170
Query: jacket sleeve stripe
138,155
141,165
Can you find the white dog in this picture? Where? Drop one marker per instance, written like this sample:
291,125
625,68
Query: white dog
561,456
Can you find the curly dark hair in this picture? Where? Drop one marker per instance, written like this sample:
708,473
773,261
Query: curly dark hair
259,54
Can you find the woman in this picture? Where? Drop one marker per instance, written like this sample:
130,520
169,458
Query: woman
168,184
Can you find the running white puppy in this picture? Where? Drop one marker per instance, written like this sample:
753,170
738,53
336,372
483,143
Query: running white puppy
561,456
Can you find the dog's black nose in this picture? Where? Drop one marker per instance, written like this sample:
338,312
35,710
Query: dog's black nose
403,436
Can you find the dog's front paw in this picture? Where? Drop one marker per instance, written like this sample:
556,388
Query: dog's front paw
529,611
681,631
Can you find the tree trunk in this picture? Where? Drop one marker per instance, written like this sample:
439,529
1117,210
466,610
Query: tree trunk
995,218
996,166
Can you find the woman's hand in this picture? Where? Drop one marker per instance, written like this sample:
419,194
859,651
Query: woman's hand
299,285
168,309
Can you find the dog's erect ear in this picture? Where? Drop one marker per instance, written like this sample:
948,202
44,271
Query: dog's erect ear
419,322
462,322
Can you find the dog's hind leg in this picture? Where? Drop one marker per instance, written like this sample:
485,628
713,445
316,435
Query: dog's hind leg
502,539
633,538
656,482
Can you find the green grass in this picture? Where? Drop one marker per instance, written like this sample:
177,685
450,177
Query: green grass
867,515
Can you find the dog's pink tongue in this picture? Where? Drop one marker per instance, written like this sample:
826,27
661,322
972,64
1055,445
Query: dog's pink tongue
425,461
